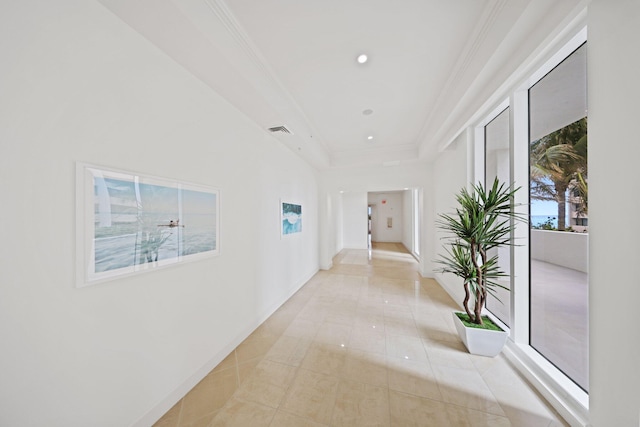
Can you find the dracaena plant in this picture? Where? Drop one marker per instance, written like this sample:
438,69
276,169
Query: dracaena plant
482,221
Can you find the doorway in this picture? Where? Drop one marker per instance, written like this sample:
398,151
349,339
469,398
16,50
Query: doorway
370,210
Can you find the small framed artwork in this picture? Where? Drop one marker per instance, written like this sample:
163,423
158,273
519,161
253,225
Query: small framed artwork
290,218
129,223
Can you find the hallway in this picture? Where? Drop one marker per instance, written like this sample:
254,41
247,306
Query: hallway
367,343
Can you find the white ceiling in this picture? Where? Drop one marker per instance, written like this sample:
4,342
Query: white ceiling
293,63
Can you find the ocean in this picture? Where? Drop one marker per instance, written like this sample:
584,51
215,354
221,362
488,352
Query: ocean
540,219
127,250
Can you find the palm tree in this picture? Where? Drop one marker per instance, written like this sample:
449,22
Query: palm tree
559,162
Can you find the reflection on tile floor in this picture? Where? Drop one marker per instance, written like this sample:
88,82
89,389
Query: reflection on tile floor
367,343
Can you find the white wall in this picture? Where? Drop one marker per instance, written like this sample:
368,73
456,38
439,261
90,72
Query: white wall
613,292
613,159
79,85
330,213
391,208
450,175
565,249
407,219
339,223
354,217
377,179
427,207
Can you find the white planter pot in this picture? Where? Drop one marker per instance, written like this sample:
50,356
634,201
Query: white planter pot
482,342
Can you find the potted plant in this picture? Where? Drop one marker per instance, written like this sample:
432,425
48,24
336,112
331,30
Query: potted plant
482,222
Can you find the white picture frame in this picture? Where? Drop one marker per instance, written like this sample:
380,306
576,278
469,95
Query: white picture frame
129,223
290,218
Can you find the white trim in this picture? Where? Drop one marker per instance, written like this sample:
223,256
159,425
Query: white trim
479,155
488,118
155,413
294,234
87,175
328,266
567,49
519,152
570,29
454,297
564,395
479,139
569,400
471,157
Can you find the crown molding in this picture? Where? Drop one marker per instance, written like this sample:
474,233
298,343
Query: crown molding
252,53
482,29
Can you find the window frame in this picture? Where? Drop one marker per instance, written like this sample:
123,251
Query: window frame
566,397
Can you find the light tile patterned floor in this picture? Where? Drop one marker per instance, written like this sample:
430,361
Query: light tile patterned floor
368,343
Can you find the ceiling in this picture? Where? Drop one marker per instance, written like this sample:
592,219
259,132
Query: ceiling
293,63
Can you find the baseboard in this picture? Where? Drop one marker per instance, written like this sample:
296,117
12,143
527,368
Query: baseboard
328,266
153,415
427,274
570,407
454,297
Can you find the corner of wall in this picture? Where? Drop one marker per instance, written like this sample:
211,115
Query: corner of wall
425,273
328,266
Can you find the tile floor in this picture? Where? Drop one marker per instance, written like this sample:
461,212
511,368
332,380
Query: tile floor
367,343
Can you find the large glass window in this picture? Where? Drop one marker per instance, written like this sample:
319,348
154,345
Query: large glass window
559,216
497,164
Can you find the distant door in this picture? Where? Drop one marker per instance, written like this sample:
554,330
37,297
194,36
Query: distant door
372,222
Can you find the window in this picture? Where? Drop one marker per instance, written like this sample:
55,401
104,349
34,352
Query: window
583,222
547,308
497,164
558,327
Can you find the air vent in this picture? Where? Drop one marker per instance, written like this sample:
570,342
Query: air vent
282,129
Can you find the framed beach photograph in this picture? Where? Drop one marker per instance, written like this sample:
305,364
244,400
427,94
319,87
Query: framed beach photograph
128,223
290,218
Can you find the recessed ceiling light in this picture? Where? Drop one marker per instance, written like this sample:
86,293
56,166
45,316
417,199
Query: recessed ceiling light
370,137
367,112
362,58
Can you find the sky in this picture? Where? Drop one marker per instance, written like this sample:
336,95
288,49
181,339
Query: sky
543,207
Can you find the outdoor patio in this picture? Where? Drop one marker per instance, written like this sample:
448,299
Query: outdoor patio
559,318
